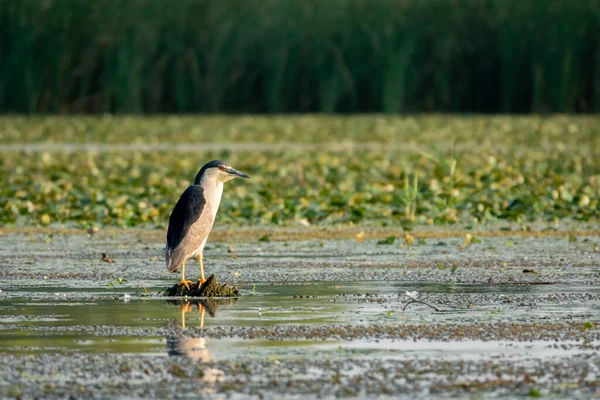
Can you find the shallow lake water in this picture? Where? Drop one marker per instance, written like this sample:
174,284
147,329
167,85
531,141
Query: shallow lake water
41,314
333,312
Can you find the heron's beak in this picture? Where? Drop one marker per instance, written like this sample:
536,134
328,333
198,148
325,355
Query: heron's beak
233,171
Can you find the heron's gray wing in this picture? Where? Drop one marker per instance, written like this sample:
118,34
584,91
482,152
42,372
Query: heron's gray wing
192,242
187,211
196,235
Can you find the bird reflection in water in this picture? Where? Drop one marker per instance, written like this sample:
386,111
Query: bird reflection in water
183,342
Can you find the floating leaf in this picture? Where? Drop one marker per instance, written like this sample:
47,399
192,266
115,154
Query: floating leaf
412,295
468,239
231,252
387,241
360,236
534,393
106,259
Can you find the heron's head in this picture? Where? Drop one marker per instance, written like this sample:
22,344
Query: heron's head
218,171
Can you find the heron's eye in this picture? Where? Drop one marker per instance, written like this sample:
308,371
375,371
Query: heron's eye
221,167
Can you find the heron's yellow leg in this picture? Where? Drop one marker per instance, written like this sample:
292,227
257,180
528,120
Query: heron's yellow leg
183,281
201,307
202,280
185,307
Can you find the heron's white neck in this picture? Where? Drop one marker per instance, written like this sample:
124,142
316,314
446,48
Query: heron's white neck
213,190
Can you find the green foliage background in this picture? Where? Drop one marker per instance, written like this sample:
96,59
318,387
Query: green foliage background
133,56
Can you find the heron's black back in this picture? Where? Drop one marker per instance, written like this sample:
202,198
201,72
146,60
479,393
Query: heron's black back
187,211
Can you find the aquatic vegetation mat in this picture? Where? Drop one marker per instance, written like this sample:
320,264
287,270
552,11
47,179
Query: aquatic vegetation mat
312,170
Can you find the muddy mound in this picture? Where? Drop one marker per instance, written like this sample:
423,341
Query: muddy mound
210,288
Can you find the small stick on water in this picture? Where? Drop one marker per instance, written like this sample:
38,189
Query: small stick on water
420,302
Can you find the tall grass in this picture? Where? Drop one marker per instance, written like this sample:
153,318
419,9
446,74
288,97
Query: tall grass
391,56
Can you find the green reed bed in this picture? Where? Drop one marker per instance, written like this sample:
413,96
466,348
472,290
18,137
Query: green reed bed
277,56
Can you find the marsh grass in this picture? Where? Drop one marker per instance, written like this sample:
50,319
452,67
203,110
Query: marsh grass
410,196
132,56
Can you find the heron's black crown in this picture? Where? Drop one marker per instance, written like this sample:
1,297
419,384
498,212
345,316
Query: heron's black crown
208,165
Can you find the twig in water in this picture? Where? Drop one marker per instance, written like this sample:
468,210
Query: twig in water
420,302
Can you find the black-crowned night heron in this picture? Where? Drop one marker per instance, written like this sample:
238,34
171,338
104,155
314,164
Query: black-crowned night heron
192,218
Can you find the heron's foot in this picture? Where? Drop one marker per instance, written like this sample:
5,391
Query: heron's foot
185,283
201,280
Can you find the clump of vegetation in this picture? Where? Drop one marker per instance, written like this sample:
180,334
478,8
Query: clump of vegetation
210,288
483,169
